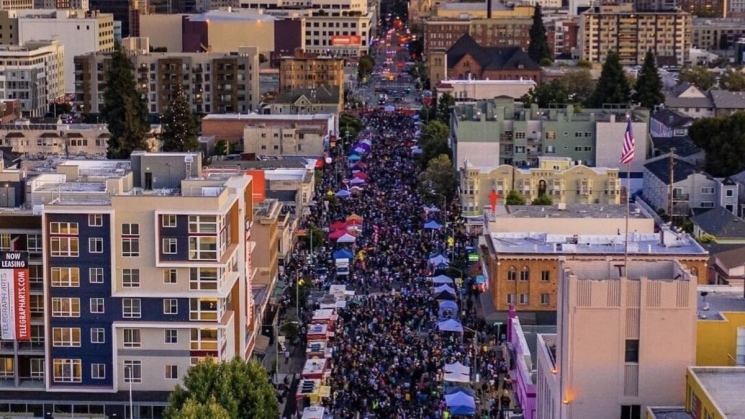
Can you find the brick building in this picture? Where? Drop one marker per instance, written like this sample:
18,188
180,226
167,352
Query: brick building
231,126
443,33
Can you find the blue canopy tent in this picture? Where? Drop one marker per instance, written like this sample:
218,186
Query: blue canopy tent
480,279
450,326
354,157
436,260
343,193
442,279
460,403
444,287
454,390
448,309
442,266
444,295
432,225
343,254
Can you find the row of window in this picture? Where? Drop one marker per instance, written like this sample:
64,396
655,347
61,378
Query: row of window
524,299
201,339
71,371
131,307
524,274
199,278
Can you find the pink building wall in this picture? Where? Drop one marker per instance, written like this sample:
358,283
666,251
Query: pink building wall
522,383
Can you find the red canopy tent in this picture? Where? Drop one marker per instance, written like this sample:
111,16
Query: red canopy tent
338,225
334,235
360,175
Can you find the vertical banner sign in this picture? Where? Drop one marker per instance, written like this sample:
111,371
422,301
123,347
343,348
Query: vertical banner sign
14,291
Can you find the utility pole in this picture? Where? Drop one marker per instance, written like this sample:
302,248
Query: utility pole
671,191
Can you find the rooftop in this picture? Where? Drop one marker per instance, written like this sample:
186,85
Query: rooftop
278,175
230,16
611,270
665,243
724,387
669,413
719,299
720,223
475,7
264,117
570,211
549,339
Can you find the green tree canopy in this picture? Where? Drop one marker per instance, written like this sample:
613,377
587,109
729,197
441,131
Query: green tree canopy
240,388
542,200
698,76
180,126
124,108
613,86
514,198
365,66
194,410
574,86
538,48
224,147
649,84
433,141
546,94
438,179
444,107
723,140
732,80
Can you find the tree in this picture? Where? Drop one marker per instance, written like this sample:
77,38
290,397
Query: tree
578,84
223,148
241,388
584,64
649,84
438,179
433,141
124,109
698,76
613,86
723,139
538,48
180,126
542,199
349,122
262,59
194,410
514,198
546,94
365,66
732,80
444,107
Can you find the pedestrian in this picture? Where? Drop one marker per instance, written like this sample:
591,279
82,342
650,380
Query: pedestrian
287,356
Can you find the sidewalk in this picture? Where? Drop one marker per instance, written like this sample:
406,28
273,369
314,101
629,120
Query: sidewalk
290,371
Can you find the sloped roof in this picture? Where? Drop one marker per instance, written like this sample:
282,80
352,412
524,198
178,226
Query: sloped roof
490,58
688,102
730,255
724,99
680,89
720,223
672,118
683,146
320,95
661,169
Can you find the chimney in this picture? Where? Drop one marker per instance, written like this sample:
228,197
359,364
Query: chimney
488,9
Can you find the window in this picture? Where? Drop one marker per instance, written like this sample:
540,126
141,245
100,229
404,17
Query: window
64,246
169,246
65,307
707,190
203,248
170,335
95,220
545,299
37,368
525,274
172,372
131,308
203,224
203,278
70,229
170,306
132,371
132,338
524,298
131,278
33,243
130,229
95,245
98,335
512,274
66,336
203,309
68,370
168,221
97,305
170,276
95,275
203,339
631,411
545,276
707,204
65,277
130,240
510,298
550,135
98,371
632,350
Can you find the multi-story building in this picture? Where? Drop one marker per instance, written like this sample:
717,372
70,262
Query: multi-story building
147,269
284,140
325,100
303,71
470,90
631,34
34,74
16,4
123,11
80,32
214,82
266,229
491,133
526,245
558,178
713,34
231,126
563,37
443,33
486,10
624,336
61,4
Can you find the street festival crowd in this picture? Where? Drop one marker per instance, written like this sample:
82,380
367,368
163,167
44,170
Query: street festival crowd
389,352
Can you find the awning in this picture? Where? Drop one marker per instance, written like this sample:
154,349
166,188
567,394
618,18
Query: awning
262,343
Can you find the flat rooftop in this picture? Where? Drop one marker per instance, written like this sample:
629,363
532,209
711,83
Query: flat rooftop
563,244
724,386
262,117
570,211
669,413
719,299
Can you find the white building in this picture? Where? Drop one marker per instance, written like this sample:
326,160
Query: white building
79,31
466,90
34,74
57,4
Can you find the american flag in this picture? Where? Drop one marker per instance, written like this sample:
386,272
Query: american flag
627,155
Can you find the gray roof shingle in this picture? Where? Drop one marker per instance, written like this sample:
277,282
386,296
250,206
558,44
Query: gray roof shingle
724,99
720,223
661,169
490,58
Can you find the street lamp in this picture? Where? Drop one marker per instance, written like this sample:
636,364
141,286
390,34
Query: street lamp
475,354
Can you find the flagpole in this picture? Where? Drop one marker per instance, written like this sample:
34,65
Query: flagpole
628,210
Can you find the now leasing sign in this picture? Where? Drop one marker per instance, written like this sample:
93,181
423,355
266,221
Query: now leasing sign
15,319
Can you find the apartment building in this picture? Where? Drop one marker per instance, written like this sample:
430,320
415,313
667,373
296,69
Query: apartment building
712,34
34,74
485,10
563,37
631,34
147,269
214,82
500,131
443,33
304,71
79,31
16,4
558,178
123,12
526,245
60,4
266,230
284,140
624,338
231,126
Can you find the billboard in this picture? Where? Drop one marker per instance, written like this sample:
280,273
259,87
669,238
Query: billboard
259,183
15,316
344,40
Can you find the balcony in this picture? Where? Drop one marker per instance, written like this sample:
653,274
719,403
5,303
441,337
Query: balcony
31,346
681,196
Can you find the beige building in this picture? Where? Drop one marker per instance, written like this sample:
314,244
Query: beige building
284,140
34,74
16,4
479,10
300,181
632,34
266,230
215,82
557,177
306,72
323,100
470,90
622,341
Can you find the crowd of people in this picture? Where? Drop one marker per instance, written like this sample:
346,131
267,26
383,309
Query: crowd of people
388,354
